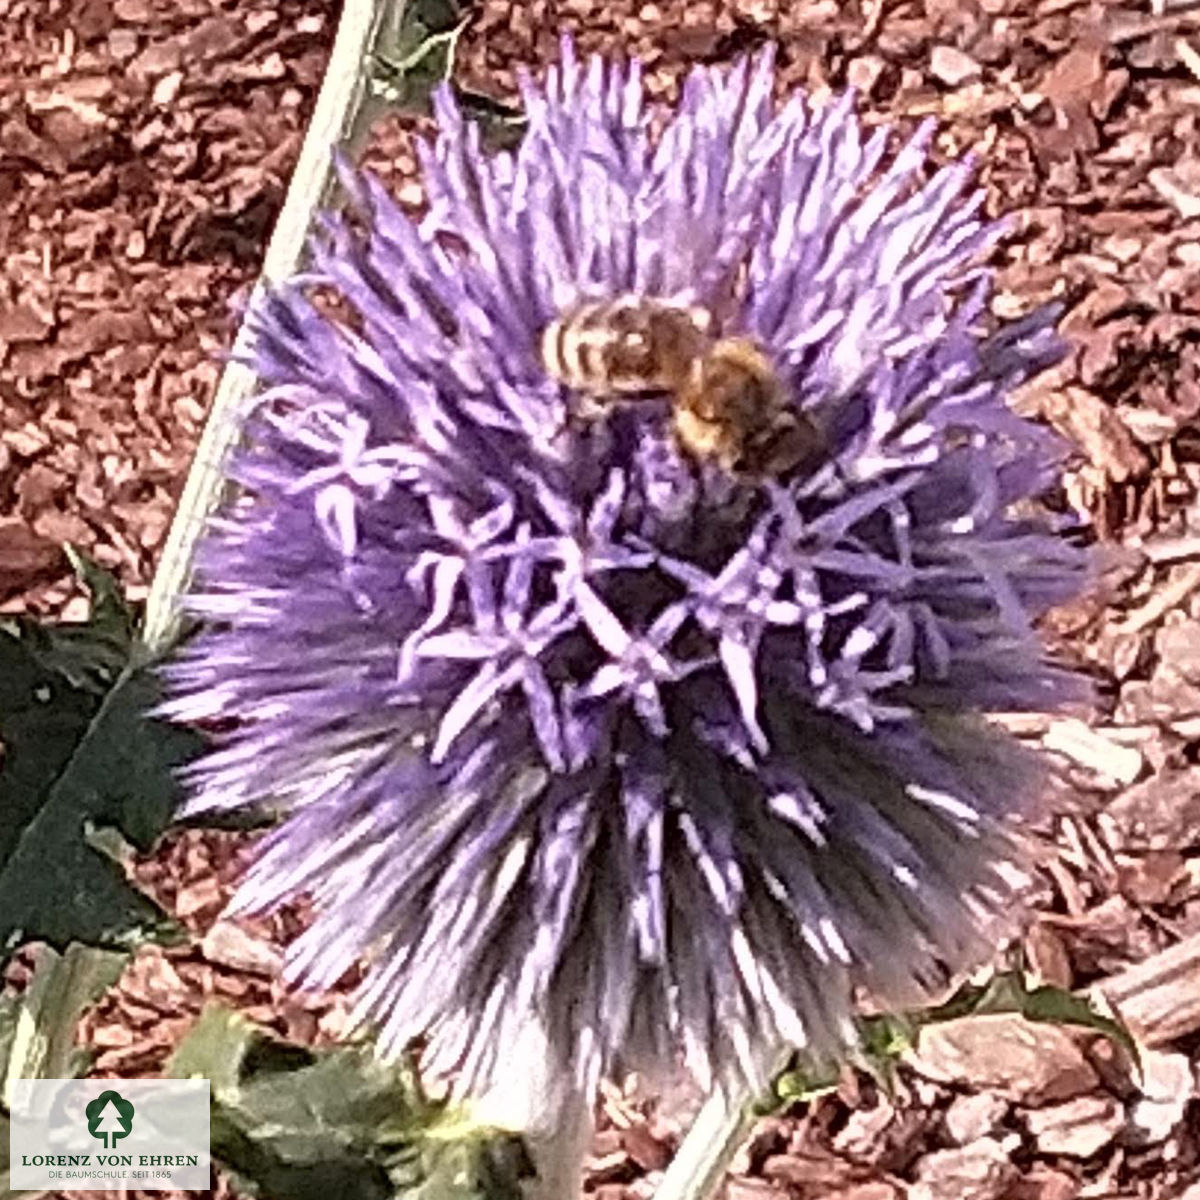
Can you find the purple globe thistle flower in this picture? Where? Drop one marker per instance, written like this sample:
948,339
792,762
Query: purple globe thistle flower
565,723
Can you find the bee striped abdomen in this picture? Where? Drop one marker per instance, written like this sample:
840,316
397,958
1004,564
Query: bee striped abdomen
624,346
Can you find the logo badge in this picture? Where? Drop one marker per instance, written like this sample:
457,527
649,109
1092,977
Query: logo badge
68,1135
109,1117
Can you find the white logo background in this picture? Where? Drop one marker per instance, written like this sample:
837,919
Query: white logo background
49,1121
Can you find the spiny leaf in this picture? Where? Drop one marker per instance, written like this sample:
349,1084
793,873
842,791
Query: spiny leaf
299,1124
797,1085
37,1028
79,754
419,54
883,1039
86,656
481,1164
1060,1007
278,1132
502,125
1009,992
109,610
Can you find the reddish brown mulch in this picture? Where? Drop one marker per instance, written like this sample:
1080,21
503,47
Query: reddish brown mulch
144,149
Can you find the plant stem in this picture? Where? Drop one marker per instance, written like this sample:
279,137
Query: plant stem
703,1157
554,1116
343,96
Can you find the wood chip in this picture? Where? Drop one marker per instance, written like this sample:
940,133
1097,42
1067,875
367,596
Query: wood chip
1159,999
1172,594
1093,751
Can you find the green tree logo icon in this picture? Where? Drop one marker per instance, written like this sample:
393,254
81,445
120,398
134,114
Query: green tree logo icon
109,1117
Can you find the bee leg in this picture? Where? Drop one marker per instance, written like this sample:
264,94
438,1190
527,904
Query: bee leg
589,407
700,438
794,445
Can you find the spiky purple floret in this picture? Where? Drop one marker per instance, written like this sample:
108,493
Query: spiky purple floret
563,724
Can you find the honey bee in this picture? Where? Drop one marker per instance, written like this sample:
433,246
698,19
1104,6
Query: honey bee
728,403
735,410
626,345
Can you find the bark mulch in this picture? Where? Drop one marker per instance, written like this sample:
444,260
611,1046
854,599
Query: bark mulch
144,150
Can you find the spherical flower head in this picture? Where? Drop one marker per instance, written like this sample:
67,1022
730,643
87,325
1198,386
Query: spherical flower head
568,724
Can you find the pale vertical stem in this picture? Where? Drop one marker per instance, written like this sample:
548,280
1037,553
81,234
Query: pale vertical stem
703,1157
344,93
558,1155
554,1116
